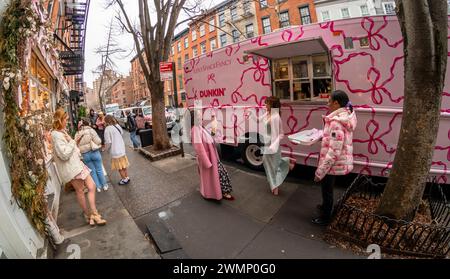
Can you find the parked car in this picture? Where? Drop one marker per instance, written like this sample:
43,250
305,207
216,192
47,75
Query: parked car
121,116
144,118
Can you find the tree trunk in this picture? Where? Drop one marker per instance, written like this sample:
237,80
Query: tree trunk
424,28
160,135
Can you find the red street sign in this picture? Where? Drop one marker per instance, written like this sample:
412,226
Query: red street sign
165,67
166,70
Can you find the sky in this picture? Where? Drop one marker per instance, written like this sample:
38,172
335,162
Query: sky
99,19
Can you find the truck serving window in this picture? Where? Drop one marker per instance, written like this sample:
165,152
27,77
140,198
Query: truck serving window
301,70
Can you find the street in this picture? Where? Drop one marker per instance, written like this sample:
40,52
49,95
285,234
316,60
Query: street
163,199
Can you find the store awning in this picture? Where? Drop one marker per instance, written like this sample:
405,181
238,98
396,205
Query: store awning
291,49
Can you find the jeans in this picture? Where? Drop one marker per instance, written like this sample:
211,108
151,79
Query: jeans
93,159
327,195
134,139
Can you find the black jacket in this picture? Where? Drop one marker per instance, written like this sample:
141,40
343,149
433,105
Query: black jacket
132,126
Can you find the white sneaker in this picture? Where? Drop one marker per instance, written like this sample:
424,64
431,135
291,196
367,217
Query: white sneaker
105,188
99,190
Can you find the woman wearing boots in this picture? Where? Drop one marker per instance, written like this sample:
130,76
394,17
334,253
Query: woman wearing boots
72,169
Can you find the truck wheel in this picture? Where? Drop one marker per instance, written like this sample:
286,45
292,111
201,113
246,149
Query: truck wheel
251,154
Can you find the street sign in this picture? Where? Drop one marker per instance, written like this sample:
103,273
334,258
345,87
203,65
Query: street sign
166,70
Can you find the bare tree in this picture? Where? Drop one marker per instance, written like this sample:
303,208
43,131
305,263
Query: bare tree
152,40
424,27
106,51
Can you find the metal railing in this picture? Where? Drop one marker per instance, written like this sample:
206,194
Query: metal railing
362,227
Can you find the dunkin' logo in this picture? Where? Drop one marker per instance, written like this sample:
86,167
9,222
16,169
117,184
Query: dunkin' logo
218,92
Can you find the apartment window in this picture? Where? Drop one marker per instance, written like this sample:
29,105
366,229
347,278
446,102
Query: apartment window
233,11
203,47
212,25
223,40
194,51
389,8
325,15
222,20
448,9
235,35
186,57
202,30
284,19
180,82
263,3
345,13
249,31
194,35
179,46
246,6
179,63
213,44
364,10
186,43
266,25
305,15
172,50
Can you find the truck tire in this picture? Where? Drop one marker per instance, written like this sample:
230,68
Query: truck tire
251,154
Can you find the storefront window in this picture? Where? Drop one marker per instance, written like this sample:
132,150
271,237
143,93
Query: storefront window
37,90
281,69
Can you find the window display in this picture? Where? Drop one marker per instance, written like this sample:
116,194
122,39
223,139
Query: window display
37,89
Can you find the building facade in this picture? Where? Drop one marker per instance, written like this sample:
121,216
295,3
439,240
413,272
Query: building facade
236,21
53,79
340,9
122,92
181,51
109,78
91,99
140,90
277,14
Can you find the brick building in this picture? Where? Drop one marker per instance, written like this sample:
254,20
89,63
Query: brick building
276,14
236,21
140,90
122,92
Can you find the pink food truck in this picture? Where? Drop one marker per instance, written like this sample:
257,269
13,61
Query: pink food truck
301,65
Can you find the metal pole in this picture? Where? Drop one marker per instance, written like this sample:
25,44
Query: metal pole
175,91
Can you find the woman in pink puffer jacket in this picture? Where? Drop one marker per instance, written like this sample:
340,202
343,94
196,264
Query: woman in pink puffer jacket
336,154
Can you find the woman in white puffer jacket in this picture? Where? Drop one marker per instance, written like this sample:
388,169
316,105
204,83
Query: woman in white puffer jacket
72,169
89,144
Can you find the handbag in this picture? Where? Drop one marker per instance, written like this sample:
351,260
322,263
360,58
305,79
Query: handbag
94,146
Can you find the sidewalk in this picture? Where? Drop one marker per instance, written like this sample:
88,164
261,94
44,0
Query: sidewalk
120,238
163,201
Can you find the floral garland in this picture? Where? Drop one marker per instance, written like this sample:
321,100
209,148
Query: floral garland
23,137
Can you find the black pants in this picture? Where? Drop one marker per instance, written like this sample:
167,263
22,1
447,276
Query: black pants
327,195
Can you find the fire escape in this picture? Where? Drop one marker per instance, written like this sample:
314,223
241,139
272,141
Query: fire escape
73,42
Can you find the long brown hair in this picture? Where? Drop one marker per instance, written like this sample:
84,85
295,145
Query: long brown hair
274,103
58,118
110,120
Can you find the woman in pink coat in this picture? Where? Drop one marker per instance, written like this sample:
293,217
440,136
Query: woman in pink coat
336,154
214,179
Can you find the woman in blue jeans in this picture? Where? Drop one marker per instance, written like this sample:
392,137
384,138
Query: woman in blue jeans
89,144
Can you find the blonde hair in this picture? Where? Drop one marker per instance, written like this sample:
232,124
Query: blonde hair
58,118
110,120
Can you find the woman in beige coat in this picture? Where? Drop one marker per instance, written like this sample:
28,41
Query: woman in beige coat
89,144
71,169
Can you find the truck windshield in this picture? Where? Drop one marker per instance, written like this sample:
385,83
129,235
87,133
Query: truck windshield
147,111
